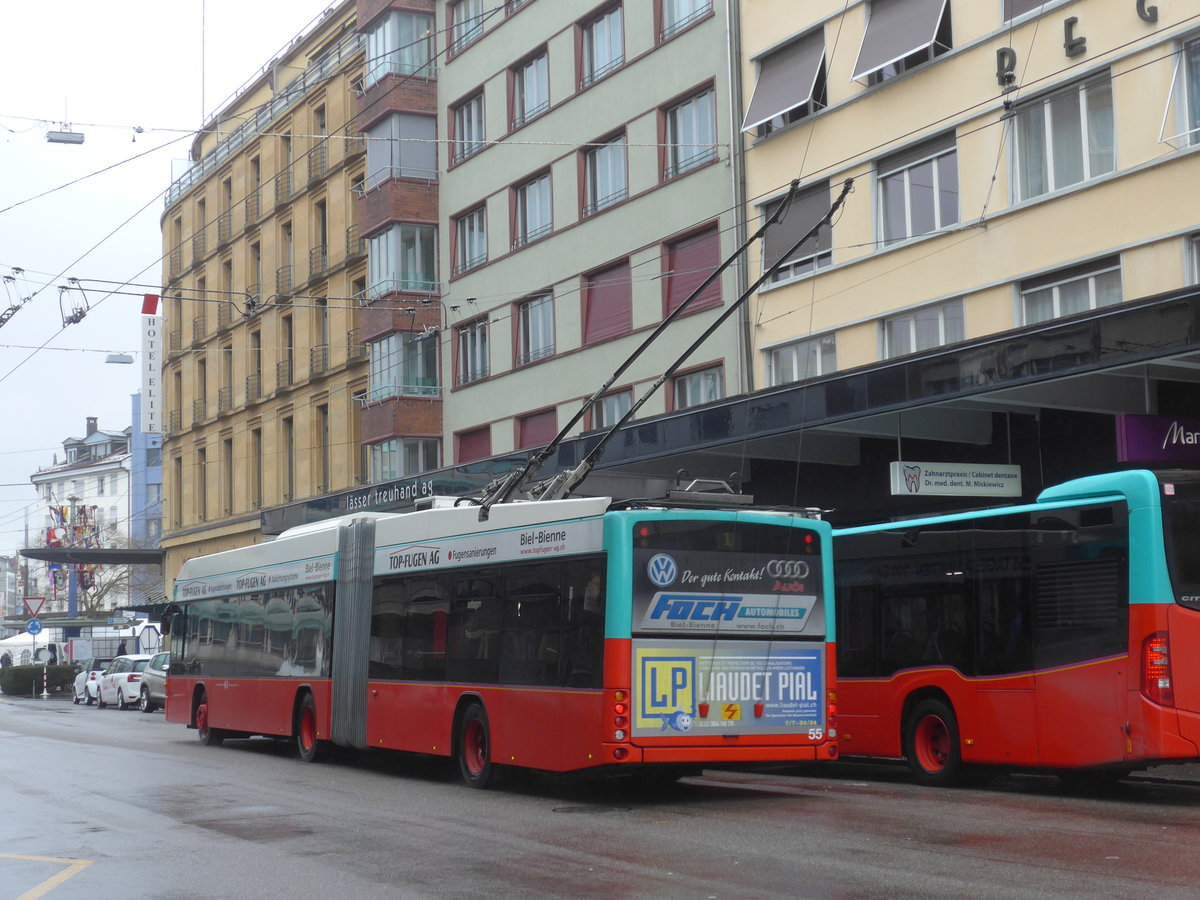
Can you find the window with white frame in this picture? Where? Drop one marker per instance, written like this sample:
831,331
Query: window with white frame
901,35
400,44
603,46
466,23
679,14
401,258
1077,289
472,351
403,363
923,329
697,388
1064,138
801,360
691,134
918,189
535,329
468,128
404,458
531,89
470,240
533,210
1191,60
610,408
605,176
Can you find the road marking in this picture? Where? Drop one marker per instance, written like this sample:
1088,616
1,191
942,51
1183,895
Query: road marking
73,868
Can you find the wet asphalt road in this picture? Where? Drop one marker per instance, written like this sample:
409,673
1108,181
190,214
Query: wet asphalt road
107,804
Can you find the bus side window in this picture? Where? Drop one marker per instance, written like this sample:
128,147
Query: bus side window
583,623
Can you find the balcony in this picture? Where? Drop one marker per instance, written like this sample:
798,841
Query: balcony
283,187
199,330
224,400
318,262
253,388
318,162
283,280
225,228
199,246
174,342
355,245
224,314
253,207
355,146
318,359
199,410
175,421
283,375
355,349
175,262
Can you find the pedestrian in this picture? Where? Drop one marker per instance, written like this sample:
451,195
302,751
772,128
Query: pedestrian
121,651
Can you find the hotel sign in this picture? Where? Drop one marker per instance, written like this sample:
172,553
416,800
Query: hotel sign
1158,439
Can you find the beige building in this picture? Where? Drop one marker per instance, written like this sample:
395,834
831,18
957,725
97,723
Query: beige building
1014,162
264,272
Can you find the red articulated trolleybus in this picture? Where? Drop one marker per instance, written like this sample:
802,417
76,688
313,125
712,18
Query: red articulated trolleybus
561,635
1059,635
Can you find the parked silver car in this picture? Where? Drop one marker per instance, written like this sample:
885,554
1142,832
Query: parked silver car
87,682
154,683
121,681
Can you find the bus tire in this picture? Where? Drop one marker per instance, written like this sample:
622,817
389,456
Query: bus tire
309,747
475,748
209,737
931,744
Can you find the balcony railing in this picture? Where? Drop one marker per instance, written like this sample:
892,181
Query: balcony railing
174,342
254,387
199,330
318,262
199,410
355,245
199,246
283,374
283,280
225,228
224,314
175,261
318,359
318,161
224,400
283,187
355,349
355,146
253,207
175,421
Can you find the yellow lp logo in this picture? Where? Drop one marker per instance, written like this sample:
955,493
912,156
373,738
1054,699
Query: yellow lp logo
666,691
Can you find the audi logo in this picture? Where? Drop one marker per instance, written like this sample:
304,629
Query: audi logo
787,568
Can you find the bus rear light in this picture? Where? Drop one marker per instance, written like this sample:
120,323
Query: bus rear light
1156,670
619,734
620,696
620,708
621,721
620,753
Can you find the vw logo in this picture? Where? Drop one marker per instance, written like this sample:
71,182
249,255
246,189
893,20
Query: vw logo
662,570
787,568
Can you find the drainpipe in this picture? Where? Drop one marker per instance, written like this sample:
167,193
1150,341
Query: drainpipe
733,29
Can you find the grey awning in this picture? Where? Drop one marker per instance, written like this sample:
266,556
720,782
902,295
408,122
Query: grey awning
896,29
786,78
95,556
809,207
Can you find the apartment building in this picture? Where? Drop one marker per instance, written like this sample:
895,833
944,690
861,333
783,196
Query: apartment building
586,192
264,272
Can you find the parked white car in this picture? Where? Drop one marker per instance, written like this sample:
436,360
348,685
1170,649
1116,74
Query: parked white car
87,682
121,681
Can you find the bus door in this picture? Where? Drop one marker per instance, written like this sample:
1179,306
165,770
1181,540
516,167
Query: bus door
1080,634
1000,573
1181,527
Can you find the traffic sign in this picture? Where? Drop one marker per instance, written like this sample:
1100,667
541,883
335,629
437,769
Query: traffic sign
34,626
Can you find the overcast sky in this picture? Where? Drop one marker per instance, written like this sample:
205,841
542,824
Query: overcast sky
106,69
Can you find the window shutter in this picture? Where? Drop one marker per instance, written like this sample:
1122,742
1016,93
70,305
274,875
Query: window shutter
473,445
608,300
809,207
539,429
689,262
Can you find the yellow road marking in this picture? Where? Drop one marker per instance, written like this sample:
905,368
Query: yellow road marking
73,868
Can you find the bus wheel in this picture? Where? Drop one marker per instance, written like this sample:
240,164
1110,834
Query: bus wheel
309,747
474,748
209,737
931,744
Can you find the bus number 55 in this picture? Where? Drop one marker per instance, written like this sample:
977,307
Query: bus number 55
815,734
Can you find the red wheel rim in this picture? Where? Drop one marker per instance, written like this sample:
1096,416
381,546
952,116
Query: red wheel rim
308,727
475,746
202,718
932,744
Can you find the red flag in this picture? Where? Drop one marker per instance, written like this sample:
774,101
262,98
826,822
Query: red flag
149,304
